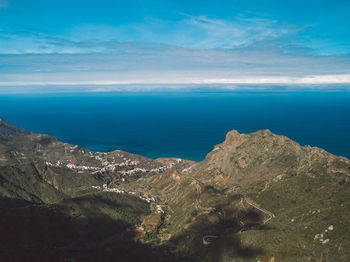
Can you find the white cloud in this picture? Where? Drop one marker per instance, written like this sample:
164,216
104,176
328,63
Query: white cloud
159,64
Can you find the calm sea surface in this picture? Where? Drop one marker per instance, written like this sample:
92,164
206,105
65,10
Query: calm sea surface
182,124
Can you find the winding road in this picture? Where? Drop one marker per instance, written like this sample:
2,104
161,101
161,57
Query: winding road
250,202
208,239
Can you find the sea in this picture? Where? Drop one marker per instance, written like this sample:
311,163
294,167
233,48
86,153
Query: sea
184,124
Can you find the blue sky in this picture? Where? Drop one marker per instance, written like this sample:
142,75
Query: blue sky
101,43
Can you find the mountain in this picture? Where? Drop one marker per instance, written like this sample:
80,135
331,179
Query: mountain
257,196
263,196
262,157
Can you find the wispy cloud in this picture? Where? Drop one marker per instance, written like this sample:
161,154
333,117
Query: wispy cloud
199,32
242,31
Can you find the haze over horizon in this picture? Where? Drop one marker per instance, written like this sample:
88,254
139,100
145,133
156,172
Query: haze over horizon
60,45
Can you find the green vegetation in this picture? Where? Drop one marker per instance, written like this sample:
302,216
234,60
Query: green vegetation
35,183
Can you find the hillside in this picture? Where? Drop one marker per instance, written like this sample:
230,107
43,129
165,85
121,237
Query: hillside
261,195
12,130
257,196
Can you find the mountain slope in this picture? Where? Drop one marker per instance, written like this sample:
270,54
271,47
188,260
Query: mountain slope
263,195
12,130
96,227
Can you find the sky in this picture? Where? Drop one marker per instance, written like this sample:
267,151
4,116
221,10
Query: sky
173,43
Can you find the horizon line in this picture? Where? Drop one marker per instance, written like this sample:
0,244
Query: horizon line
308,80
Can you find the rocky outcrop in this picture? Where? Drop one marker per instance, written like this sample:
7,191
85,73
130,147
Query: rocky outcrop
261,156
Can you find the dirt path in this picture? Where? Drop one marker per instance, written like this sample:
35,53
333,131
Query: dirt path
198,198
250,202
208,239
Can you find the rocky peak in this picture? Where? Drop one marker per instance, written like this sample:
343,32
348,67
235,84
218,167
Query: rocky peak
258,142
261,155
233,138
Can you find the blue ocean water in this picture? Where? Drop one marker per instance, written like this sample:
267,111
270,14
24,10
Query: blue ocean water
182,124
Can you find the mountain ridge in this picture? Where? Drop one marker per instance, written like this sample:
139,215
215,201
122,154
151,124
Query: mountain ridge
262,149
12,130
230,195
